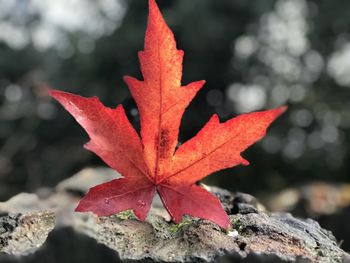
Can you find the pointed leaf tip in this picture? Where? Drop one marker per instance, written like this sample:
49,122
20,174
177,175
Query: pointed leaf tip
283,109
215,119
244,162
277,112
50,91
152,5
53,93
154,12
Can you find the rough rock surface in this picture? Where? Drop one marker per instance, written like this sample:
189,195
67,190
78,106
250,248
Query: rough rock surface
23,234
256,234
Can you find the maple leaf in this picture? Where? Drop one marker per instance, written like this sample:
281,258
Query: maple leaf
153,164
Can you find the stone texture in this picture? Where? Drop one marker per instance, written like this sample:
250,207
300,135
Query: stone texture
24,234
256,235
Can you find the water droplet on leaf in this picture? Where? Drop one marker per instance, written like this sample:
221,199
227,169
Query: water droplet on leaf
141,203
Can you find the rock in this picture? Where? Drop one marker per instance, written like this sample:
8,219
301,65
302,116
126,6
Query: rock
286,237
82,181
23,234
256,235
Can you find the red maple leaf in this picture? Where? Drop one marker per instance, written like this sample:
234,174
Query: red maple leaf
153,163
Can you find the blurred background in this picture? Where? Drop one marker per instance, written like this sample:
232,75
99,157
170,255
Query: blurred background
254,55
